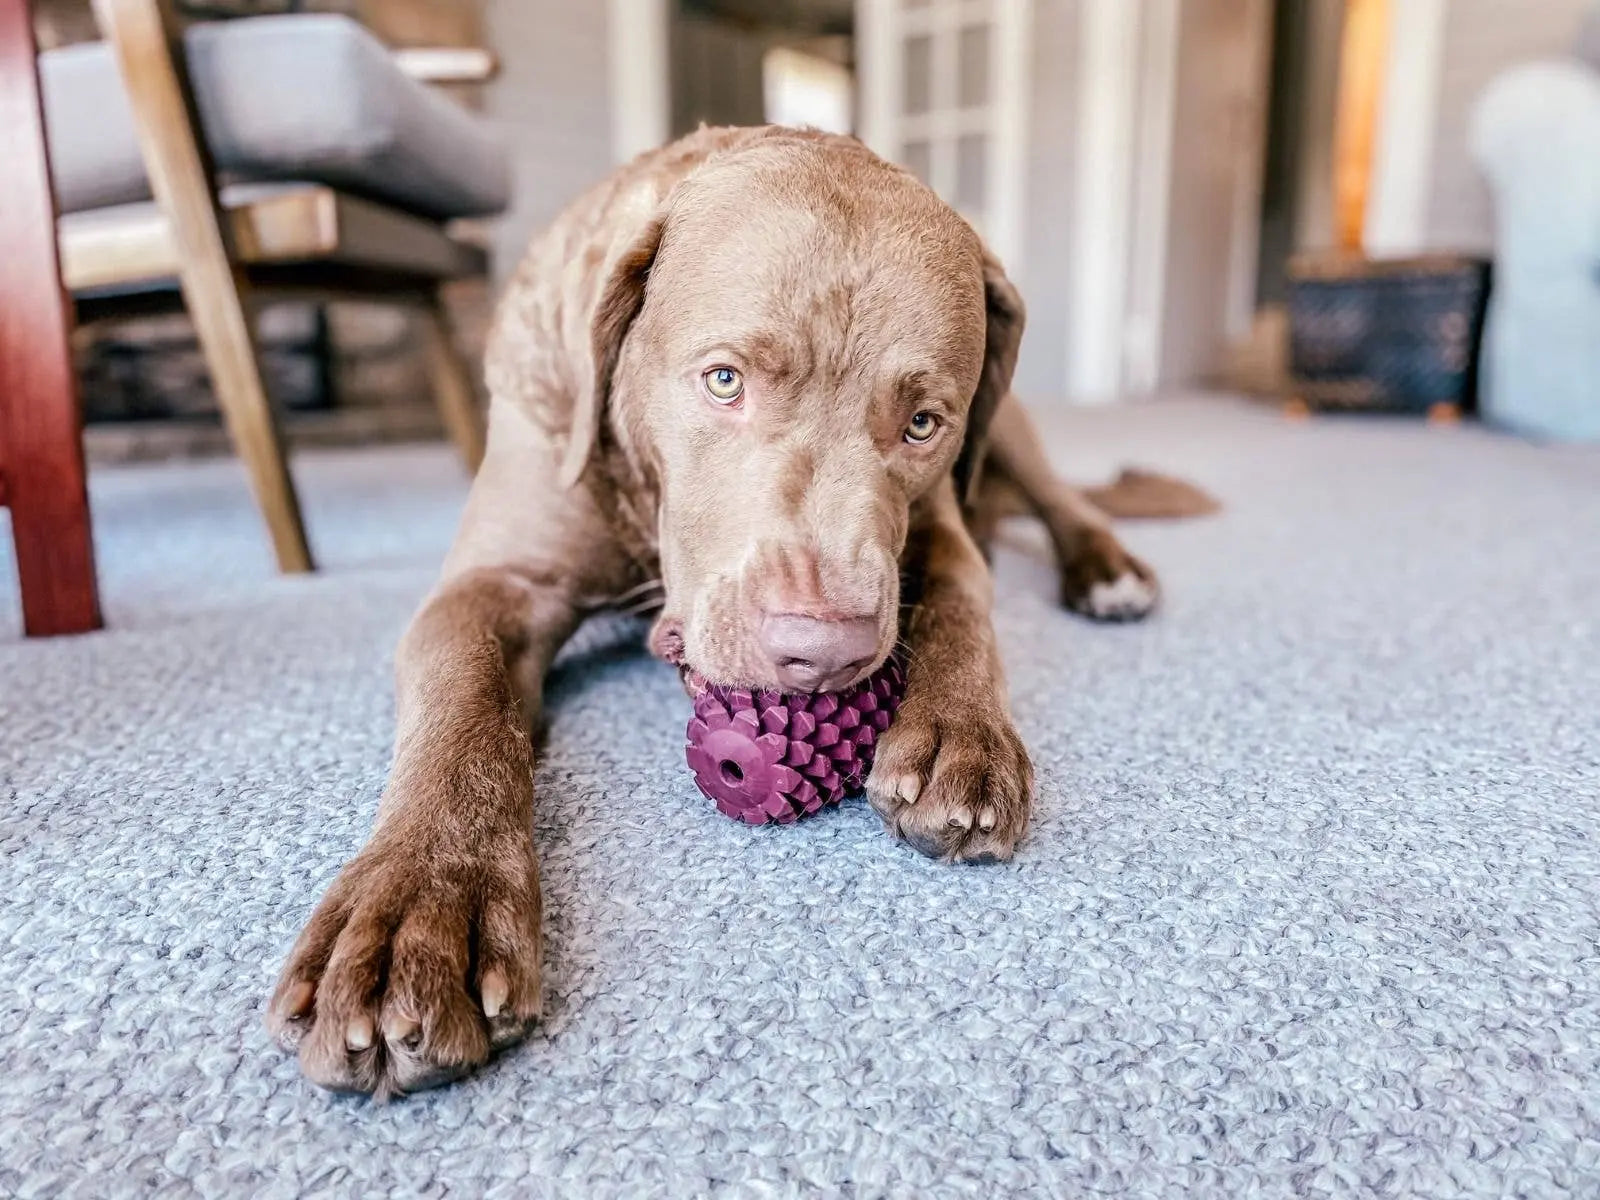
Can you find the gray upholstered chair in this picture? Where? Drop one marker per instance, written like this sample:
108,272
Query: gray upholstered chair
291,153
298,97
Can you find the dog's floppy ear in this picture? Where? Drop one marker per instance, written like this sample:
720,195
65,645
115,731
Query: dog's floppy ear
619,303
1005,317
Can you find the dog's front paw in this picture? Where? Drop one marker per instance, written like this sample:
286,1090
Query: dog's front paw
1102,580
953,779
416,965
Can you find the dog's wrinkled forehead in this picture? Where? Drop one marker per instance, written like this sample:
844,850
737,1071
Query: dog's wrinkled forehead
797,249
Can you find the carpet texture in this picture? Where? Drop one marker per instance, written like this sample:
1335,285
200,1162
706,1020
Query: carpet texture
1311,905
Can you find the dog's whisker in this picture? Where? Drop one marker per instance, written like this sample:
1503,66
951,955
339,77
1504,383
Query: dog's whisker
639,599
904,652
639,590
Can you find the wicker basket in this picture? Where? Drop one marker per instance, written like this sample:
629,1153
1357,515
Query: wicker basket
1397,336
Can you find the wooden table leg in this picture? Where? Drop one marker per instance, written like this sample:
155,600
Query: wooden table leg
41,425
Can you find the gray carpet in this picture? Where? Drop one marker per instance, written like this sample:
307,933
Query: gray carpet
1311,905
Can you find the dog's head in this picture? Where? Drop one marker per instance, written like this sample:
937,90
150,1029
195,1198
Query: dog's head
802,343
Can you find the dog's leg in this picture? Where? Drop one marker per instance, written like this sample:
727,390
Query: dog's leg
424,955
951,775
1099,578
997,499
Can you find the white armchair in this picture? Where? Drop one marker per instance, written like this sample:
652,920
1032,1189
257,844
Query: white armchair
1536,135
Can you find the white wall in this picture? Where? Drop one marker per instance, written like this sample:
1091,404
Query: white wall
1408,118
1426,193
716,76
552,103
1044,274
1481,39
1217,150
1144,186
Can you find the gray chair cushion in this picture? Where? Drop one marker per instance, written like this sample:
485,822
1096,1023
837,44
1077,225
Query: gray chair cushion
311,97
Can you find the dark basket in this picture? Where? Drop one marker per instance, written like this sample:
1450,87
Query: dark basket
1396,336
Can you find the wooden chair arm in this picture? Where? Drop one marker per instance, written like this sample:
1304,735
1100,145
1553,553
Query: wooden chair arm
448,64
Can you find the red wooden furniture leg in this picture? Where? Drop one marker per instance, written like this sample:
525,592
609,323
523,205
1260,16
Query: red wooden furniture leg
41,433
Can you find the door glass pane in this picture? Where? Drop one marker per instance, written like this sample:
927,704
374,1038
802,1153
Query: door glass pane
918,159
974,66
972,172
919,74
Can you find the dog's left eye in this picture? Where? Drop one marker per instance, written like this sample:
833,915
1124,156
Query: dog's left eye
922,427
725,384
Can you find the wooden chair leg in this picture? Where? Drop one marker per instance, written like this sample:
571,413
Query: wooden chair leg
452,385
222,323
41,435
149,52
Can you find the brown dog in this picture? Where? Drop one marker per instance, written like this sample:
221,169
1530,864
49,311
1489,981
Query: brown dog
747,383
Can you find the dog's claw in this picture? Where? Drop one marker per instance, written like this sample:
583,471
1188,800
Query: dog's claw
494,991
398,1027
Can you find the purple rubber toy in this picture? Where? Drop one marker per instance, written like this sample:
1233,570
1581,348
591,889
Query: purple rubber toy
766,757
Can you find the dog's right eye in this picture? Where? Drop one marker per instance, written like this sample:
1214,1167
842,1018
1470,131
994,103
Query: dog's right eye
921,429
725,384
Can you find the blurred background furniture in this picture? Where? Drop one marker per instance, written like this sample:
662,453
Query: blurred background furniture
1536,135
226,163
1385,335
41,450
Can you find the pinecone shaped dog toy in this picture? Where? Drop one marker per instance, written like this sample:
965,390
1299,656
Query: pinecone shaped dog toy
765,756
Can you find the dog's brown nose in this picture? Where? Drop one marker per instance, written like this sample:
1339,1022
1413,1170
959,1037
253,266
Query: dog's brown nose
812,655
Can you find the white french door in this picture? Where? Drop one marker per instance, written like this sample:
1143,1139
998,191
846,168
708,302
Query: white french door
944,92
